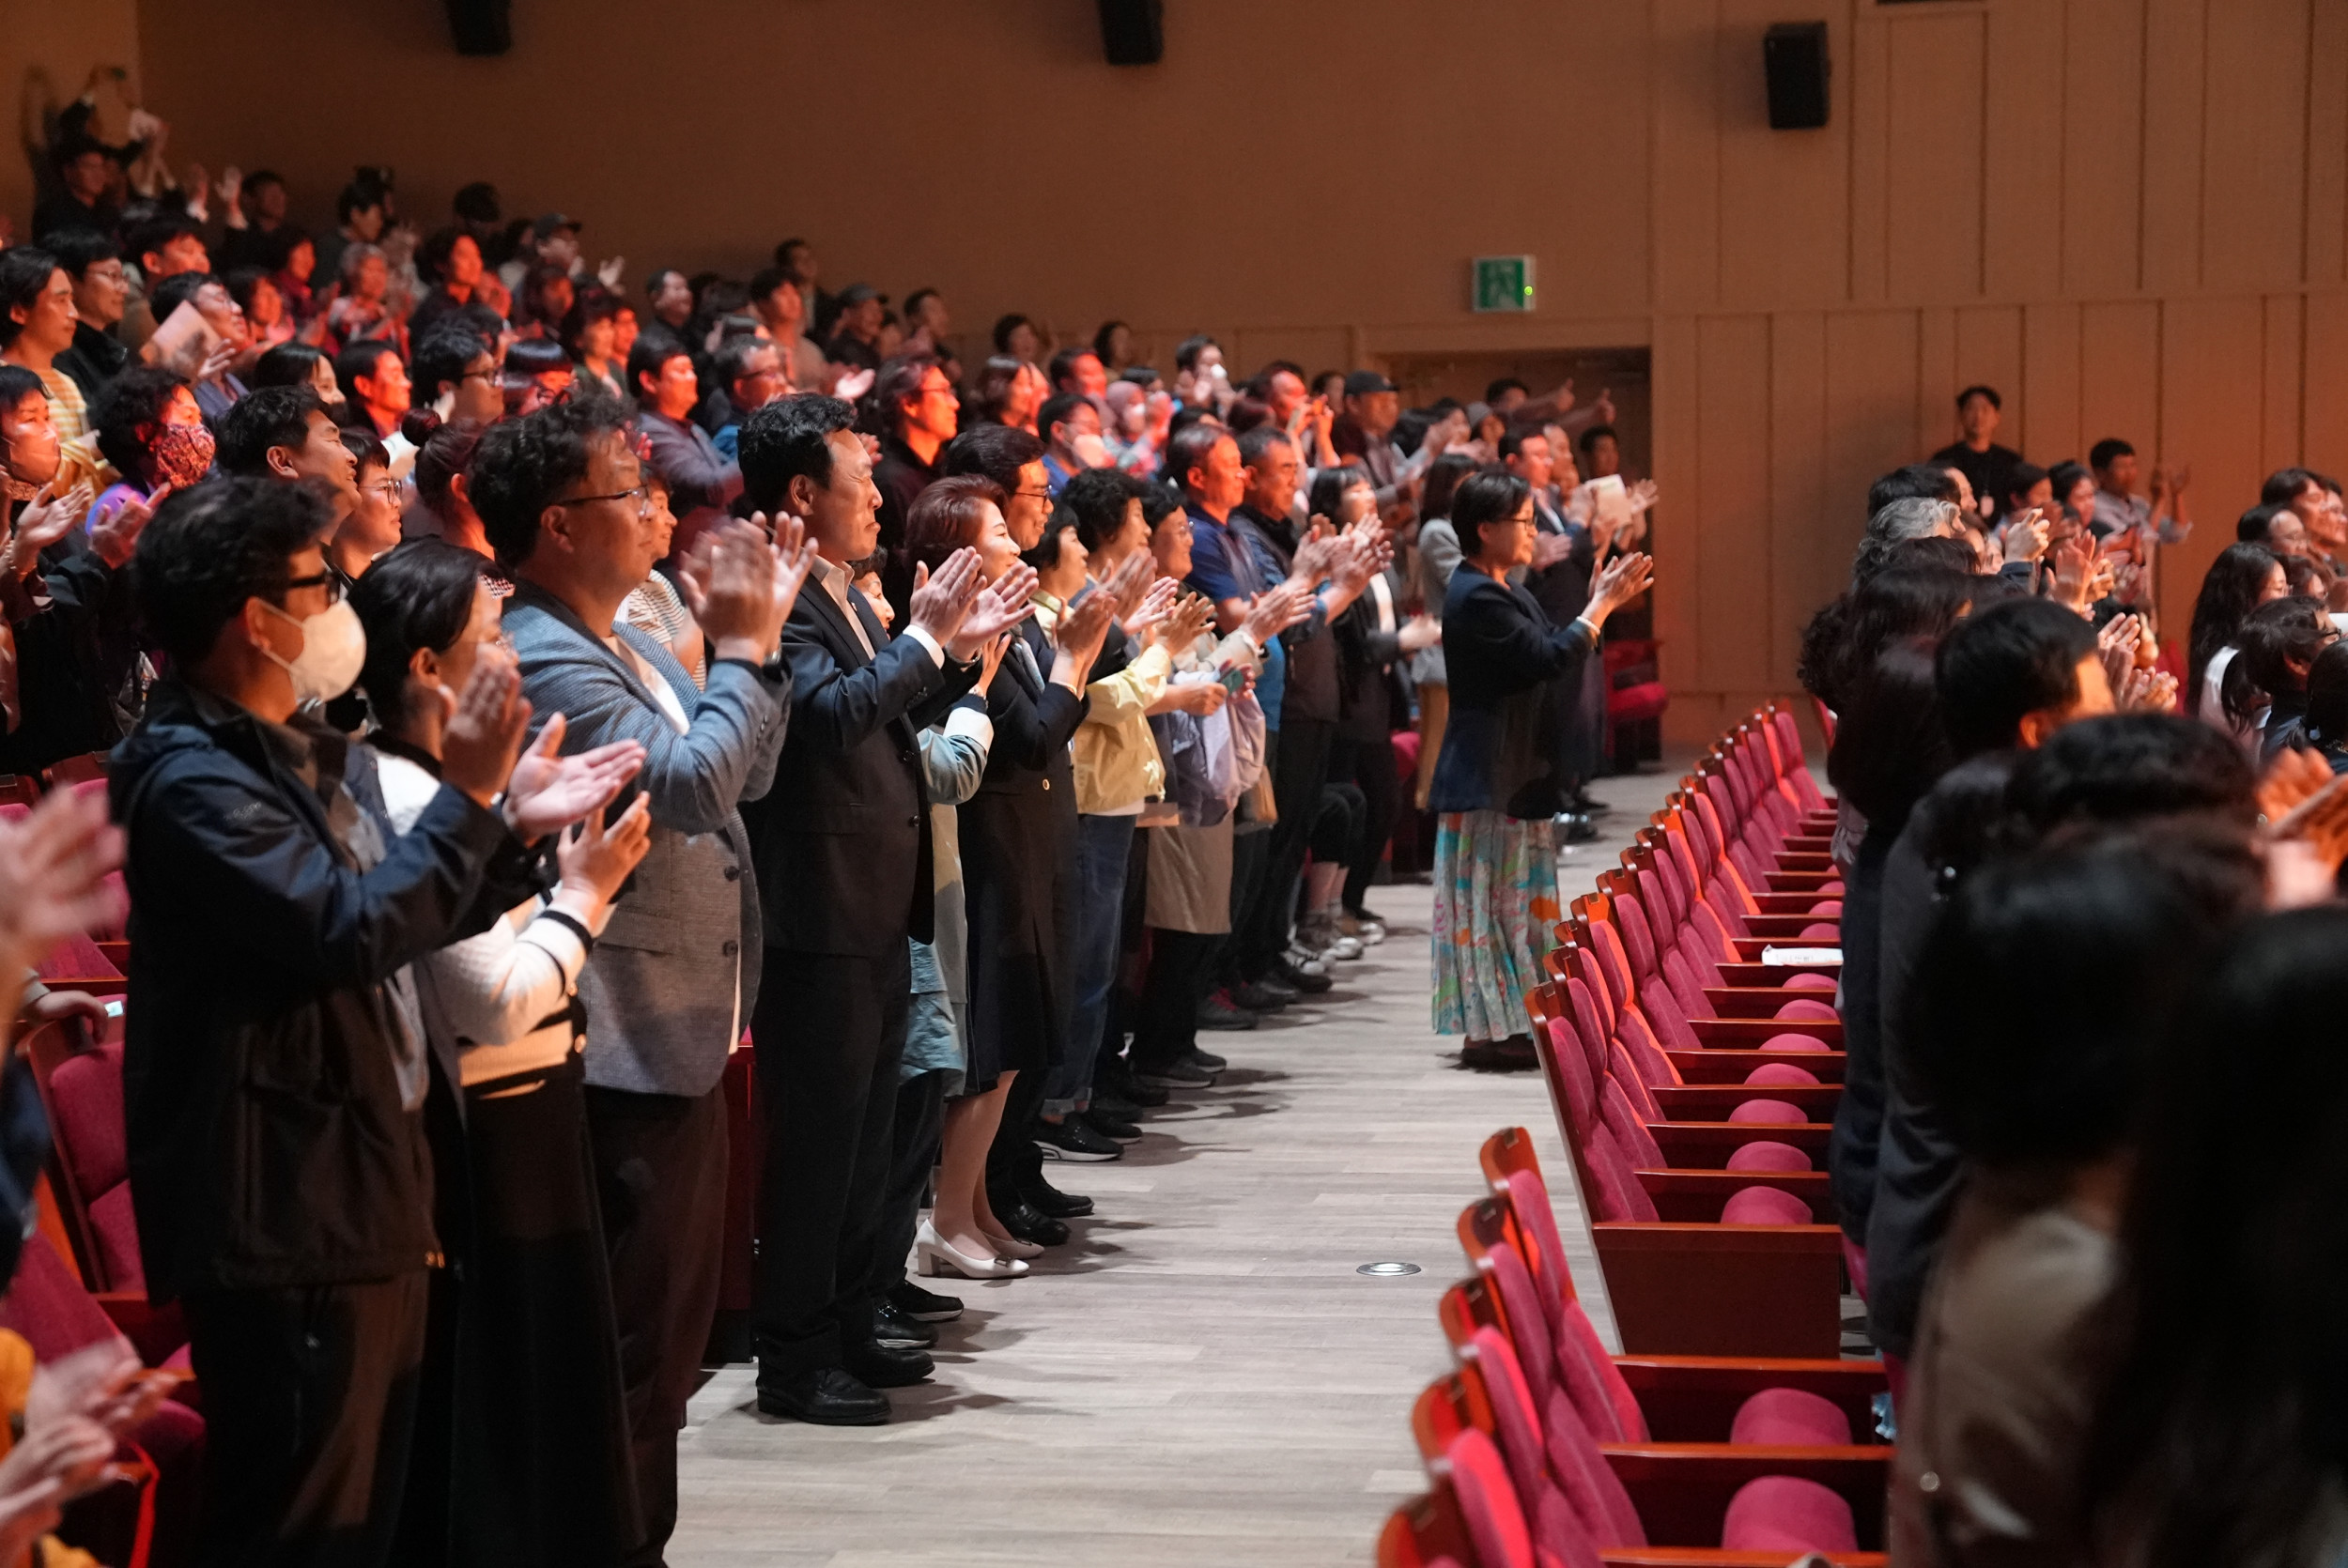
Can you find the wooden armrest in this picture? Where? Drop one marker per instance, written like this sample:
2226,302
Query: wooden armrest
1695,1196
1713,1103
1686,1290
1696,1398
1728,1065
1752,975
116,953
1803,882
1681,1490
1761,1001
95,985
1752,1032
1749,948
1706,1146
1791,857
1789,903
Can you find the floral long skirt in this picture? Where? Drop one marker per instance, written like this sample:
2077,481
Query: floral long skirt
1496,910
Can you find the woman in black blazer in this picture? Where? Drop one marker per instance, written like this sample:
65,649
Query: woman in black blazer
1018,846
1496,870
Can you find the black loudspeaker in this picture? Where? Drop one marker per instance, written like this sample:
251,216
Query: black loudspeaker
1794,55
482,26
1133,32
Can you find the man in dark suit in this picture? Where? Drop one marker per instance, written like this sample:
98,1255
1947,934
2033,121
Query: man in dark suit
1565,561
842,846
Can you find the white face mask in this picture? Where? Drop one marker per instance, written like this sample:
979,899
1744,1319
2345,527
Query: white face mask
333,647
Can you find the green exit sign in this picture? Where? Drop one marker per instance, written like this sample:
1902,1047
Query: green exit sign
1503,282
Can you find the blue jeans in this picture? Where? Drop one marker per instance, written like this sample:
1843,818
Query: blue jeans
1103,844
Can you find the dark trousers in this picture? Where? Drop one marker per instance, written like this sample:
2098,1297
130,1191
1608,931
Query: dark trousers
1166,1024
310,1410
920,1123
1368,766
1014,1163
1299,768
660,1179
829,1031
1251,851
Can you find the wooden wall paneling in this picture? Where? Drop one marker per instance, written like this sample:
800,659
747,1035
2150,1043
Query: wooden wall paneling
1672,372
2022,141
2255,144
1602,166
2324,420
2328,145
2281,442
1317,348
1872,414
2120,380
1808,553
2051,385
1733,596
1684,206
1783,193
2211,364
1990,353
1934,210
2175,88
1870,154
1936,378
2102,99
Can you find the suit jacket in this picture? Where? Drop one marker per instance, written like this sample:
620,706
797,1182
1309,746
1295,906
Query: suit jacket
1501,740
675,972
843,841
702,481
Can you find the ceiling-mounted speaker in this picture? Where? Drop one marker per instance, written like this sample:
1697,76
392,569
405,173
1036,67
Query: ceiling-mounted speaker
1794,56
1133,32
482,26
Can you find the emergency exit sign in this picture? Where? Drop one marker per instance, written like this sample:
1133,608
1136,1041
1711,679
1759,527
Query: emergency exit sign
1503,282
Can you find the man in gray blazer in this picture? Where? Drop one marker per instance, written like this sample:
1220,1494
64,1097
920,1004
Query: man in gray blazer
674,978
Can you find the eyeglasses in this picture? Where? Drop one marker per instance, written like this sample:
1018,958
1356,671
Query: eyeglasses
640,495
489,375
384,489
328,580
1031,495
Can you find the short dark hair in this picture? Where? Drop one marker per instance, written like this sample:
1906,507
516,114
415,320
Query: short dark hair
2107,452
1913,482
2283,486
420,596
361,359
1513,438
521,465
1596,432
150,237
288,364
365,447
996,451
914,301
210,549
1063,363
1059,409
2274,637
1330,486
24,273
261,420
1502,387
1093,503
944,517
359,194
1256,442
1188,448
651,351
1487,496
2128,767
896,385
767,278
2252,526
136,396
441,355
733,356
179,289
1979,391
1187,351
17,384
1006,325
2003,663
2023,479
786,439
78,250
588,306
2066,476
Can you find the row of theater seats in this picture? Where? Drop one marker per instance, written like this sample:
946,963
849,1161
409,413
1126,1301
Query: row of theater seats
80,1279
1694,1073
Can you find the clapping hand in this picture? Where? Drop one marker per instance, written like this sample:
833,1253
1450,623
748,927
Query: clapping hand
1549,548
53,876
486,725
998,608
1621,580
2116,644
1081,629
2026,535
1128,586
2147,691
1157,603
734,583
46,518
1191,617
596,859
548,791
1276,609
2303,853
115,536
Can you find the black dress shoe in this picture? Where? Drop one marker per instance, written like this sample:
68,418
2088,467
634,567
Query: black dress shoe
1205,1061
885,1366
828,1396
1296,980
1117,1128
928,1306
896,1331
1257,997
1116,1105
1030,1224
1048,1200
1116,1077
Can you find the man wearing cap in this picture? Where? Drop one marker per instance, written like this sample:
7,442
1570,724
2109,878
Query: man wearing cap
856,337
1363,431
554,243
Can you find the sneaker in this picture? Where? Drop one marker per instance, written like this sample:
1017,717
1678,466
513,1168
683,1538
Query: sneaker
1577,828
1220,1011
1116,1129
896,1330
1311,982
1368,929
1116,1077
1073,1139
1343,947
1205,1061
1117,1105
1304,961
1257,997
1178,1074
1044,1198
926,1306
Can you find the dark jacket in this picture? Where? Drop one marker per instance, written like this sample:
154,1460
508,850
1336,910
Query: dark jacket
1500,748
900,477
74,660
94,358
1850,1155
841,842
702,480
1313,677
268,1143
1371,703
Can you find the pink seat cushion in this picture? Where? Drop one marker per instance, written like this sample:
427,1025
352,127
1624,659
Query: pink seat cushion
1621,1119
1528,1196
1828,906
1809,982
1785,1515
1771,1113
1573,1073
1488,1503
1590,1483
1594,1383
1513,1417
1619,1196
1764,1206
47,1303
1780,1072
1833,888
1821,931
1803,1007
1764,1154
1795,1042
1528,1324
1791,1417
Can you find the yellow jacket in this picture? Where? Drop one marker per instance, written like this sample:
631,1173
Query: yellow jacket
1116,759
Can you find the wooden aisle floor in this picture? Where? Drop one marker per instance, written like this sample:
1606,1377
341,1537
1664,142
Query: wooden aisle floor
1200,1376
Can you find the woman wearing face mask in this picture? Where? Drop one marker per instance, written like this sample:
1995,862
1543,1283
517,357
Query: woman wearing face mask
540,1464
152,432
76,658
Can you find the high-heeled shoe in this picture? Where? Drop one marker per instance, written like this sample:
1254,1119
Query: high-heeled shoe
938,1257
1011,1246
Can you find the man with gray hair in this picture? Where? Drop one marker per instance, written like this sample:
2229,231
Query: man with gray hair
1909,517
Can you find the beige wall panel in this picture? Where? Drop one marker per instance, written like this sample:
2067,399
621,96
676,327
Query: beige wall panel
2324,418
1934,205
1732,598
2280,438
2212,365
2174,84
2101,101
1871,402
1810,539
1783,193
1685,119
2254,187
2050,384
2023,138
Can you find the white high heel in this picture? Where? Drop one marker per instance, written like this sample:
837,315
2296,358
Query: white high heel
939,1256
1011,1246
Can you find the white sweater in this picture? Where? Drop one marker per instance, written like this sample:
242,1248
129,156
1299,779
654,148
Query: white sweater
503,993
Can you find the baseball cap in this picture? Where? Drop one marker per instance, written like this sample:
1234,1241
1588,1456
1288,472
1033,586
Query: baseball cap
552,224
856,294
1361,383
